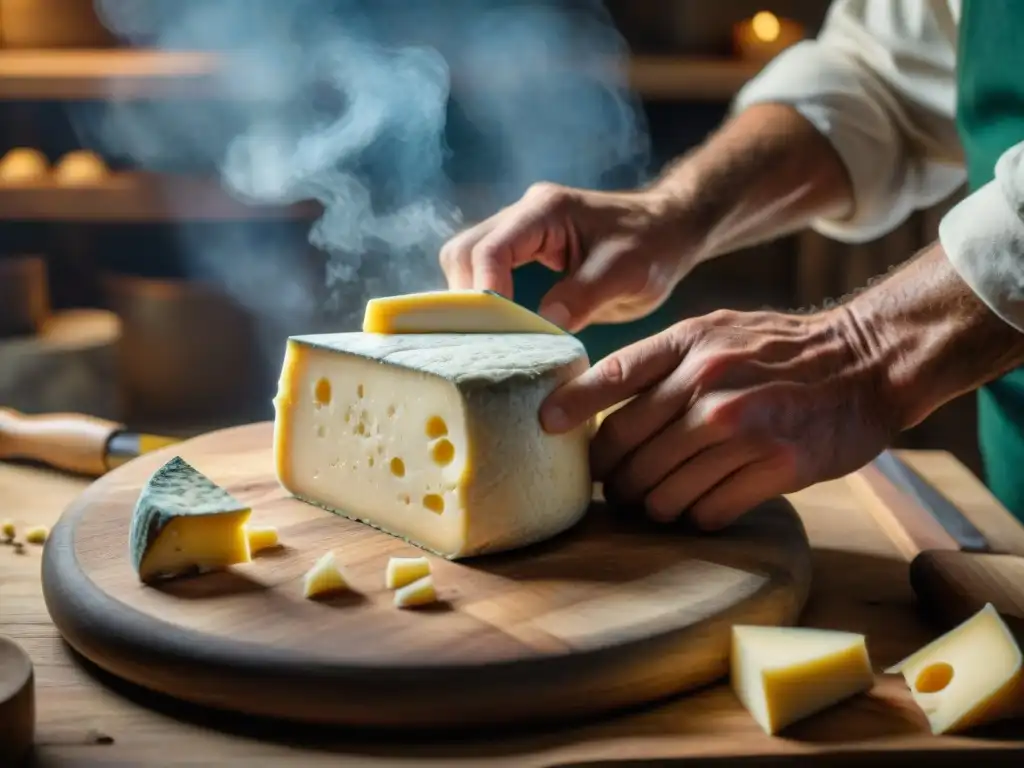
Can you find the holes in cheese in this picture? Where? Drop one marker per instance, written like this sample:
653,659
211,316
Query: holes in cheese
436,427
324,578
405,570
183,523
322,393
503,483
419,592
785,674
442,452
466,311
970,676
434,502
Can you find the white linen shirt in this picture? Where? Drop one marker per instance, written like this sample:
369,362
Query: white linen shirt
879,82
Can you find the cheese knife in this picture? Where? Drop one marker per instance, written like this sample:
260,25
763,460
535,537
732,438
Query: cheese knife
955,569
72,442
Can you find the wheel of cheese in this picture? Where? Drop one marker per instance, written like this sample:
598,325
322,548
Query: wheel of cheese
80,167
23,164
17,703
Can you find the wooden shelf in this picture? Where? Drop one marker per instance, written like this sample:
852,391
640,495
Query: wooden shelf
142,74
106,74
138,197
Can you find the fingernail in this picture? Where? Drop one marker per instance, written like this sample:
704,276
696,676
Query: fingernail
554,419
556,313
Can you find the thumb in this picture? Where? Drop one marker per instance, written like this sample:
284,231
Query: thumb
612,271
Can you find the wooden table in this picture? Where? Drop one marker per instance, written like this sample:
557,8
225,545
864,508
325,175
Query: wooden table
860,585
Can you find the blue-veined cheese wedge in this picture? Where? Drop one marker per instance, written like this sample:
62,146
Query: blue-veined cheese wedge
184,523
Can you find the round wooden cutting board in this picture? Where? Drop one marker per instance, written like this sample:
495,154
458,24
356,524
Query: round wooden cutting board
616,612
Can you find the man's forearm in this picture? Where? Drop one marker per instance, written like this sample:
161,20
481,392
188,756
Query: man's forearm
767,172
930,335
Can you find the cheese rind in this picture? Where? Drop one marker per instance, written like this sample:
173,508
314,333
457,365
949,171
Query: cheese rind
416,593
434,438
405,570
324,578
785,674
184,522
464,311
967,677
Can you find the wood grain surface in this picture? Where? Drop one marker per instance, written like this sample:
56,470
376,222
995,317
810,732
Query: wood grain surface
88,717
614,613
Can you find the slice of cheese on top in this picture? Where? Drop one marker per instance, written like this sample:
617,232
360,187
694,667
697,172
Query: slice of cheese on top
967,677
452,312
183,522
785,674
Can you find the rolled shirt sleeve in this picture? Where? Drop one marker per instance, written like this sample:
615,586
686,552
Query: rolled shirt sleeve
879,82
983,236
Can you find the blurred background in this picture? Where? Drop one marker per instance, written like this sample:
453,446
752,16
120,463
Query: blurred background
184,183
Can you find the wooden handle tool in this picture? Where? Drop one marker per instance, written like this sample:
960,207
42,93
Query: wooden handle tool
72,442
954,569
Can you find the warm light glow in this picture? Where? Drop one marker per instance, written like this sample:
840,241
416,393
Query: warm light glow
766,26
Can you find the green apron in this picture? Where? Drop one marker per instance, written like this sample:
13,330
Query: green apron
990,117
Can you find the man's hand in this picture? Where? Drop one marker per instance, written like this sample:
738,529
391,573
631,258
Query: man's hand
765,172
636,251
730,410
734,408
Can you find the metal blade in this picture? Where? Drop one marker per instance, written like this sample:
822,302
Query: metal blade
900,474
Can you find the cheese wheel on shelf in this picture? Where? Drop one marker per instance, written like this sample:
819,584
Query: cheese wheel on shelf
435,438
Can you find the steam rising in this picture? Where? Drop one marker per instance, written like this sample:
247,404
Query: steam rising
350,103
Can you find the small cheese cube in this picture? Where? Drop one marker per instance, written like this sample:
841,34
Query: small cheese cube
405,570
323,578
465,311
184,523
434,438
785,674
7,529
967,677
36,535
261,538
419,592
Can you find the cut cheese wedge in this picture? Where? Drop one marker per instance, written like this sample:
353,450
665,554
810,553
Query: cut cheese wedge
419,592
464,311
967,677
324,578
434,438
405,570
785,674
184,523
263,537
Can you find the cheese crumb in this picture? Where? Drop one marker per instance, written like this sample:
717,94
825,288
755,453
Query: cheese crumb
262,538
405,570
36,535
323,578
419,592
7,529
